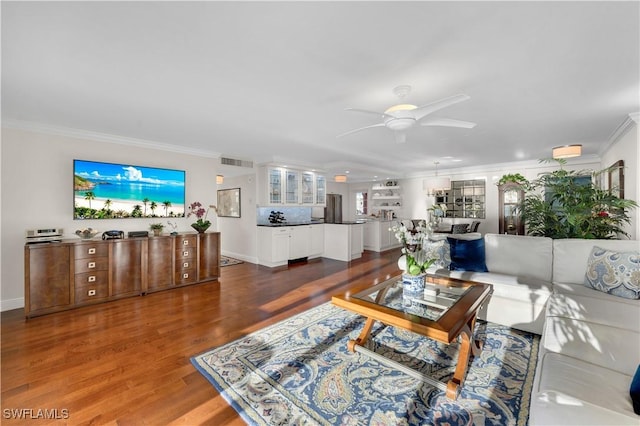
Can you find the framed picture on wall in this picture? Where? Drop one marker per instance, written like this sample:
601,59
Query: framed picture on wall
616,179
229,202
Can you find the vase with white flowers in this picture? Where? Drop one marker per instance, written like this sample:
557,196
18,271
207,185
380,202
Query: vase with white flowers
418,256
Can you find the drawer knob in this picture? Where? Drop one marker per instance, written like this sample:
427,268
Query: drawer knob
185,275
92,278
185,242
92,250
185,253
91,292
185,265
91,265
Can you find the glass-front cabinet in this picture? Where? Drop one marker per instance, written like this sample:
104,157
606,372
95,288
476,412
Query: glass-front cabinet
510,198
292,178
285,186
307,188
321,190
275,186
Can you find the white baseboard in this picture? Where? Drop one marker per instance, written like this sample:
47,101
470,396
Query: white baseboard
9,304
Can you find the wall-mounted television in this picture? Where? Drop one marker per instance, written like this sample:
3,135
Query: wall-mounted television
115,191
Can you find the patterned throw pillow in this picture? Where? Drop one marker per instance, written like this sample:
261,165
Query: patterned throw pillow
614,272
439,250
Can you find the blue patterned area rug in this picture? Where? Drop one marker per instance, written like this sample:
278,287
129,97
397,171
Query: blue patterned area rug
299,371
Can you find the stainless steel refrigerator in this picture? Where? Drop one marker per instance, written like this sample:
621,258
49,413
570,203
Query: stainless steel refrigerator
333,210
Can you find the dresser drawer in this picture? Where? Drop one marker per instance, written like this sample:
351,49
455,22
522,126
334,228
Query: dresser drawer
185,253
186,241
90,293
89,265
185,263
185,276
88,251
91,278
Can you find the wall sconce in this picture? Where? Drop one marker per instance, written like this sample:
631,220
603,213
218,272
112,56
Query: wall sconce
567,151
436,184
219,179
340,178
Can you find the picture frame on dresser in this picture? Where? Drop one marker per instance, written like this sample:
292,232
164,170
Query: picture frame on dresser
616,179
229,202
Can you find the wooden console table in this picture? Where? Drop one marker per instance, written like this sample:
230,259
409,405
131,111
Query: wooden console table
74,273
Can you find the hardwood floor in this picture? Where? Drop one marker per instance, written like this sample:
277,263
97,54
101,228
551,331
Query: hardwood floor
127,362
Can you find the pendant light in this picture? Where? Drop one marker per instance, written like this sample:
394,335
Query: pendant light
436,184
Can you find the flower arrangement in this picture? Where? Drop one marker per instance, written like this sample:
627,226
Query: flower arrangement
418,258
439,210
196,209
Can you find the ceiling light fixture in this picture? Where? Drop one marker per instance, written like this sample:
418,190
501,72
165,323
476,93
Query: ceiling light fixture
436,184
567,151
219,179
340,178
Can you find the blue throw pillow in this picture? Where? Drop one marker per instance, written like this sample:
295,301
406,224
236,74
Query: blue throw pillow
467,255
635,391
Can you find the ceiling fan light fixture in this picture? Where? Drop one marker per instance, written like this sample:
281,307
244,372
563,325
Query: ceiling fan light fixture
400,107
340,178
567,151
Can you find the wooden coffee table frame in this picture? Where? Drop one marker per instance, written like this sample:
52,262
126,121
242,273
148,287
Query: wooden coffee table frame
458,320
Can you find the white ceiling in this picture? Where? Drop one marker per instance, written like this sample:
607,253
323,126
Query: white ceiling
270,81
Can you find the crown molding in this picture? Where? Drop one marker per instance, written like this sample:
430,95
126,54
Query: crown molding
630,121
104,137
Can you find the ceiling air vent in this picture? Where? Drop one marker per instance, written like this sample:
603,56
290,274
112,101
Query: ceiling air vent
236,162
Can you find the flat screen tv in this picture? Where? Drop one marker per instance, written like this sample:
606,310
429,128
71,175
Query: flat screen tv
114,191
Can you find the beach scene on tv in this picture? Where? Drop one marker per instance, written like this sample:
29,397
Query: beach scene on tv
112,191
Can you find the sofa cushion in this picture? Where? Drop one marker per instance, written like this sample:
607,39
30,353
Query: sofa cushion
597,344
467,255
570,256
614,272
569,391
599,310
519,255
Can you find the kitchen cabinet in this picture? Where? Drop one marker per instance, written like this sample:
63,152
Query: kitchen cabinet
299,242
378,236
61,276
317,241
343,241
279,186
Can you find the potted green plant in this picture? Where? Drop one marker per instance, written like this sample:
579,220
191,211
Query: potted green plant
156,228
512,178
567,204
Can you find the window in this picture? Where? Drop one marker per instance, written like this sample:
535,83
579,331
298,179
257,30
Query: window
361,203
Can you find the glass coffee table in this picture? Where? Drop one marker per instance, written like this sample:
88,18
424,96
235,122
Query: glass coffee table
445,316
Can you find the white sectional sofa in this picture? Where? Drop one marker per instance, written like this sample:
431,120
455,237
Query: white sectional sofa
590,344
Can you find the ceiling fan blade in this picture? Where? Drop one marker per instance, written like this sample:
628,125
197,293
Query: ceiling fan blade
448,122
425,110
366,111
401,137
361,128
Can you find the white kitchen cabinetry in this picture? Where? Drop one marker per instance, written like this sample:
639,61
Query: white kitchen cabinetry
279,186
377,236
299,242
317,241
343,241
386,197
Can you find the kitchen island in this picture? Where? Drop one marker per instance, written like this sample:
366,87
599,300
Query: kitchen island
378,235
343,241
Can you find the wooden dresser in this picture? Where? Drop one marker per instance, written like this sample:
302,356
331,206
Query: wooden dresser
66,275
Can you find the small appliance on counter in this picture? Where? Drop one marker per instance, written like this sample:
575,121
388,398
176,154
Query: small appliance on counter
49,235
276,217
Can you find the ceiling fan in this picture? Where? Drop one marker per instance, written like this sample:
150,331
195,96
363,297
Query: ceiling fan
402,117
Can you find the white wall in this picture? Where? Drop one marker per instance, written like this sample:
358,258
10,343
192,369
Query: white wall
37,192
626,148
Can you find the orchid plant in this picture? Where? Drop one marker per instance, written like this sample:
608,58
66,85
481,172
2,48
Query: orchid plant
196,209
418,258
